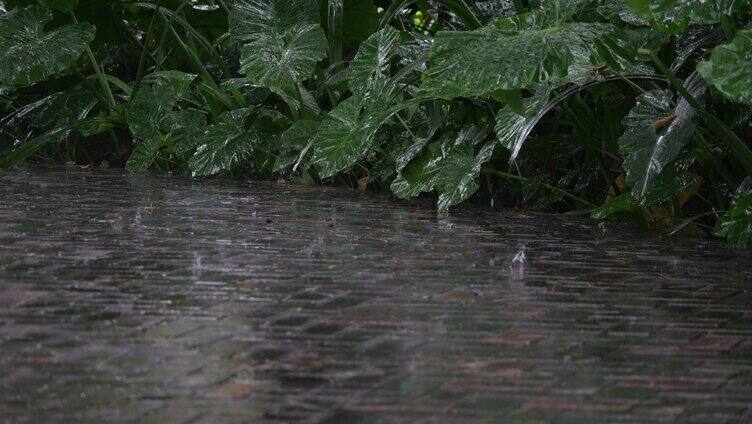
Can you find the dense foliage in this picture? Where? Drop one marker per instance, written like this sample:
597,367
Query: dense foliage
633,108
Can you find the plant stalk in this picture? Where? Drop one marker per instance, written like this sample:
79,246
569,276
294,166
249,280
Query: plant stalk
100,73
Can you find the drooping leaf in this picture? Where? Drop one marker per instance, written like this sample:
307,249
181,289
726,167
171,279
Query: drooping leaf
226,146
28,54
281,41
371,63
512,128
27,149
674,16
54,110
94,125
730,68
656,132
736,224
522,52
293,141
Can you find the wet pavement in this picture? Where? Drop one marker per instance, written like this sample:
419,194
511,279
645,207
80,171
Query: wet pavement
156,299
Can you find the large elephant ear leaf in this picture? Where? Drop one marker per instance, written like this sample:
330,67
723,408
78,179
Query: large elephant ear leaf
226,146
28,54
281,42
150,111
730,68
522,53
347,134
371,63
294,142
450,166
655,135
154,122
736,224
675,16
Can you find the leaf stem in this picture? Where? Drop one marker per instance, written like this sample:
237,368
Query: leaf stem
100,74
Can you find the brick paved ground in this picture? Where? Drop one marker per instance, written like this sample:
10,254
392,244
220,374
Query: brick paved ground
156,299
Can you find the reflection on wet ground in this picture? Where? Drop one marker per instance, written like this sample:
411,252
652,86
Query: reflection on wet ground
153,298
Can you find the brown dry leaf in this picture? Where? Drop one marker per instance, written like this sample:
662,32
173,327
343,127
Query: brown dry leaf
621,183
362,184
689,193
663,122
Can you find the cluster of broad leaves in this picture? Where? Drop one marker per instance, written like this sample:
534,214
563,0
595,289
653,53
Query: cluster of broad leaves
553,104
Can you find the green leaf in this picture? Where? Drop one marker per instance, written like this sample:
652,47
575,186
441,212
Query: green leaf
281,42
187,133
150,111
226,146
57,109
512,128
655,135
522,54
293,141
730,68
96,125
29,55
620,9
614,205
372,61
736,224
449,166
346,135
144,155
62,5
152,120
675,16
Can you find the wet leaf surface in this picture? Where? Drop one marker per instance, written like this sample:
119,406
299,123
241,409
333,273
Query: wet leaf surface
281,42
28,54
730,68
